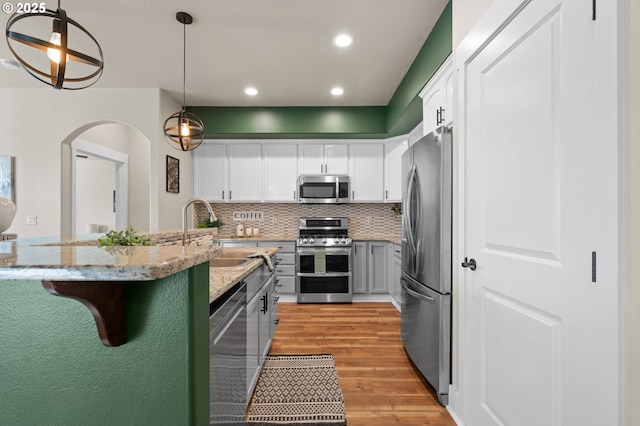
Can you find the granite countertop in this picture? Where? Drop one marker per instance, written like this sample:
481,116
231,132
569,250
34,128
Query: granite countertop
267,237
293,237
22,261
396,239
222,279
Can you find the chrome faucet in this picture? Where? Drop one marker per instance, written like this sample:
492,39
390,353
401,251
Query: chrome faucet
212,215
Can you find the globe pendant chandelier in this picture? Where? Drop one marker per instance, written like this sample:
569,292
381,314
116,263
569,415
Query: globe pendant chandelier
46,52
184,130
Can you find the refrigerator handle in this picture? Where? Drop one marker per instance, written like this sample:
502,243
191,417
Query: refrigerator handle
407,210
418,295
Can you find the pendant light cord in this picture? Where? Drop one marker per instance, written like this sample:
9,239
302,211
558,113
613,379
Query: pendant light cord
184,66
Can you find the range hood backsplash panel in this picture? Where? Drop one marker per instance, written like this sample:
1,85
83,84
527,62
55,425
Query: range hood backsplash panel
282,219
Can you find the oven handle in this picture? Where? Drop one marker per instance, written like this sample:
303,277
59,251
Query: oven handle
330,251
328,274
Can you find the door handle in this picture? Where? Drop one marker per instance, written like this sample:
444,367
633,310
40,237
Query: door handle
470,263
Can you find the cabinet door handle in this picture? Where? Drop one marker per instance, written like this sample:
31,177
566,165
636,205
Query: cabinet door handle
229,195
386,194
294,194
223,195
353,194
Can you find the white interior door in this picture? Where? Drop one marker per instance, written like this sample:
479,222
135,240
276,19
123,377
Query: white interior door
540,326
82,194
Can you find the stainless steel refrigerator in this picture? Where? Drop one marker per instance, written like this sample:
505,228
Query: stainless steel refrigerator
426,258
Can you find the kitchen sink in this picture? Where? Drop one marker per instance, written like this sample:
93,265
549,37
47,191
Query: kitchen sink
228,262
231,254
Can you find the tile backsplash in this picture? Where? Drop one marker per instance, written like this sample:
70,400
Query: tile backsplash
282,219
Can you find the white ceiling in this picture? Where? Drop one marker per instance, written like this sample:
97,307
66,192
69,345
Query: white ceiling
281,47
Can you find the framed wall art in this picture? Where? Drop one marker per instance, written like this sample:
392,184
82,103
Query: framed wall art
173,175
7,185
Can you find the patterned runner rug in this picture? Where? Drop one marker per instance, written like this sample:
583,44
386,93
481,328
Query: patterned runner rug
298,390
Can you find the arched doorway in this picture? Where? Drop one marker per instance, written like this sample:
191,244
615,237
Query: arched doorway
96,157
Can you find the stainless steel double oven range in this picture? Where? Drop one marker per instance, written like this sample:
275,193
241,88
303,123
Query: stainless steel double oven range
324,261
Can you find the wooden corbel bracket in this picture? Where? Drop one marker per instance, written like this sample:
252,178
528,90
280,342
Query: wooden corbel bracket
105,300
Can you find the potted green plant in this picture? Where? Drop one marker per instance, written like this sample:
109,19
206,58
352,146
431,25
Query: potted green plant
397,209
127,237
216,224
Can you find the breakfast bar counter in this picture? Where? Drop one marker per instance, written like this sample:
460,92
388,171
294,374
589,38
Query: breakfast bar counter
153,370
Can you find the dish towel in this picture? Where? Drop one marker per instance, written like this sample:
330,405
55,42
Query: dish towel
265,257
320,261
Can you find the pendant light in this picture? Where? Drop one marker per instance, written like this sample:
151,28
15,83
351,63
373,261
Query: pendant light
184,130
52,61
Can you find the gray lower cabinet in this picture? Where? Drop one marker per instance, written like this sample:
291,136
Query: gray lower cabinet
253,345
285,265
395,262
261,320
360,267
370,267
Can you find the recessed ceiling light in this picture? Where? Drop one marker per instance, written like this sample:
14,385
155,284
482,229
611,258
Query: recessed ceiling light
251,91
337,91
342,40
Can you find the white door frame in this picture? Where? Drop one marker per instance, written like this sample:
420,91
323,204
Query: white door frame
121,160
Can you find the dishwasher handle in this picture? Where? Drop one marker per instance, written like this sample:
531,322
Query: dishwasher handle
417,295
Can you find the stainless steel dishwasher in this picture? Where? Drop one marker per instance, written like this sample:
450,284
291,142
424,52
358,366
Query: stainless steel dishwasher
227,357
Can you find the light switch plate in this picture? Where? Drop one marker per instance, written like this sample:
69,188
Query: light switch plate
32,219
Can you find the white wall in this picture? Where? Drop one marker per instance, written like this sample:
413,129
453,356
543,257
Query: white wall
35,122
632,323
170,204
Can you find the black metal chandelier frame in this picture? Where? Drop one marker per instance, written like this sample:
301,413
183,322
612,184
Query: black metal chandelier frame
57,75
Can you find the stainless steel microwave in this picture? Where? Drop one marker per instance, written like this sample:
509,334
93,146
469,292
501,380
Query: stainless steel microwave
323,189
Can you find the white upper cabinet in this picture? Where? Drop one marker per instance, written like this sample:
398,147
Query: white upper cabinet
323,159
210,172
393,151
336,159
245,172
437,99
280,172
367,172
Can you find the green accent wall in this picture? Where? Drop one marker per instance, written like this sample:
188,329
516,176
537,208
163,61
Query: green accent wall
272,122
55,370
400,116
405,106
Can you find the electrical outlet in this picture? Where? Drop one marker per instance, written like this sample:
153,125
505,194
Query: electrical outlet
32,219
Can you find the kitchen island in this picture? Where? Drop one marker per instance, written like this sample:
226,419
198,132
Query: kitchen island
56,369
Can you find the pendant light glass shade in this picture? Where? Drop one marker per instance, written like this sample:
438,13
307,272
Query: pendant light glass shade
184,130
43,43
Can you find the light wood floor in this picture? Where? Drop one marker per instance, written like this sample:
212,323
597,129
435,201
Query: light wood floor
379,384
